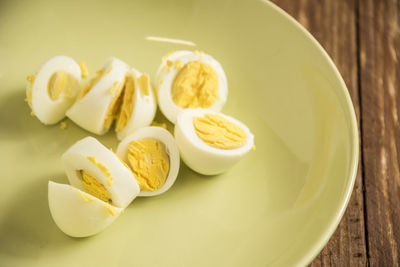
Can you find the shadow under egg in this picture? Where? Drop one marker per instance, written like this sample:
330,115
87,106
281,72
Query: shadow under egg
27,228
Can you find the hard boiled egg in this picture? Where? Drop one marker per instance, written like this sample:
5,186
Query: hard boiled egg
53,89
77,213
211,142
138,106
93,168
153,157
188,79
98,103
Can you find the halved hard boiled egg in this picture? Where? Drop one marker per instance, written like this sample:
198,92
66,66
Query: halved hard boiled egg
138,106
188,79
152,155
53,89
78,213
211,142
93,168
98,102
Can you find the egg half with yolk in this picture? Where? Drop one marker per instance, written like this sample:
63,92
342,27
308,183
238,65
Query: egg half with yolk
211,142
77,213
93,168
138,106
153,156
98,102
53,89
188,79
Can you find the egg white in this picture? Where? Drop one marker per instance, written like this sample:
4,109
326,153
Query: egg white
197,154
144,108
165,77
50,111
89,112
123,188
77,213
167,139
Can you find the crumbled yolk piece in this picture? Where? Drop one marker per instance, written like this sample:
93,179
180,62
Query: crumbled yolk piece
85,197
60,82
143,83
195,85
30,78
103,168
84,69
115,104
94,187
178,64
219,132
167,55
29,97
169,64
92,82
149,163
127,104
114,87
63,125
110,209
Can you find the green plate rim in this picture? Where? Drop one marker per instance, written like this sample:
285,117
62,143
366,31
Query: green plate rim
331,227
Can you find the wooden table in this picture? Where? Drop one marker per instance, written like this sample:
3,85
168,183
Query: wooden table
363,39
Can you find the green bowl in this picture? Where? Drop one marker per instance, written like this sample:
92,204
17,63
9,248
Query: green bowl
278,206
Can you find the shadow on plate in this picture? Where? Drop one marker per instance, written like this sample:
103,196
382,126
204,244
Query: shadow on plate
26,227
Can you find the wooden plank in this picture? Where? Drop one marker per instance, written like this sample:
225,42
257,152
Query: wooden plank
334,25
380,99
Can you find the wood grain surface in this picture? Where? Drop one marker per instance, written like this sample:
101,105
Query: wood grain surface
380,77
363,39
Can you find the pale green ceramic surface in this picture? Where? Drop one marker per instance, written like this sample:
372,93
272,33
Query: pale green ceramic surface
277,207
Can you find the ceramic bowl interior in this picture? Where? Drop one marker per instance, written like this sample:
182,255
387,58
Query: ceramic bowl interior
278,206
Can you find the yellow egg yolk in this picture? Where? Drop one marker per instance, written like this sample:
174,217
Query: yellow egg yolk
94,187
167,55
63,125
111,210
61,82
195,85
103,169
143,82
30,78
219,132
84,69
115,104
91,83
127,104
85,196
149,163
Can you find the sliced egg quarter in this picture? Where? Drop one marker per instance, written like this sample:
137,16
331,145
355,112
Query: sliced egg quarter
188,79
98,103
77,213
93,168
53,89
153,156
210,142
138,106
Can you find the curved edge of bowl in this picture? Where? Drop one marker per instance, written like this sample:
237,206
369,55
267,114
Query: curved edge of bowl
330,229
